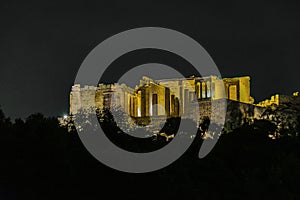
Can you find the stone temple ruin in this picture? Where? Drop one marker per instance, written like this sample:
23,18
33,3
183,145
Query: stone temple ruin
171,95
174,98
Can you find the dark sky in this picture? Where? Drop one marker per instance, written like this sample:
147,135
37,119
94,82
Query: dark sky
43,44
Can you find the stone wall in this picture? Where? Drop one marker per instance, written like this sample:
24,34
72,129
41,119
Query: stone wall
170,97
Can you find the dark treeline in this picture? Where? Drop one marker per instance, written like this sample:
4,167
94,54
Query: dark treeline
41,160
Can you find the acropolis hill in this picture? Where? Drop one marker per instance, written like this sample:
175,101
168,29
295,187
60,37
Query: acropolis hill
173,97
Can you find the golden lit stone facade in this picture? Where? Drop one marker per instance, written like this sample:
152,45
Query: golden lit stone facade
168,97
268,102
103,96
277,100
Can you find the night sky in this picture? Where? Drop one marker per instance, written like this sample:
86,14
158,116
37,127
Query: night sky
42,45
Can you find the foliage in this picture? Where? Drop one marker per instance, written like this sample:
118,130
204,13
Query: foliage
286,118
48,162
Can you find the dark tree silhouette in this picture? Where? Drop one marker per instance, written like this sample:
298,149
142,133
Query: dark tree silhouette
41,160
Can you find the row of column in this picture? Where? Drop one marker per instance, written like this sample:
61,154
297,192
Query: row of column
146,103
152,104
203,90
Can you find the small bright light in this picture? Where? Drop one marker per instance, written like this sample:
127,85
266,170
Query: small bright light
65,116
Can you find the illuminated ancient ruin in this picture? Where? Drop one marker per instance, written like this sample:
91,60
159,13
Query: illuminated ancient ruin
170,97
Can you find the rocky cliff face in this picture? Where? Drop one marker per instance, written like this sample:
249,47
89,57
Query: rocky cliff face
286,117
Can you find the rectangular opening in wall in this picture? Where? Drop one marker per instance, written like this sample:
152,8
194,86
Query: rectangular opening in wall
232,92
154,105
